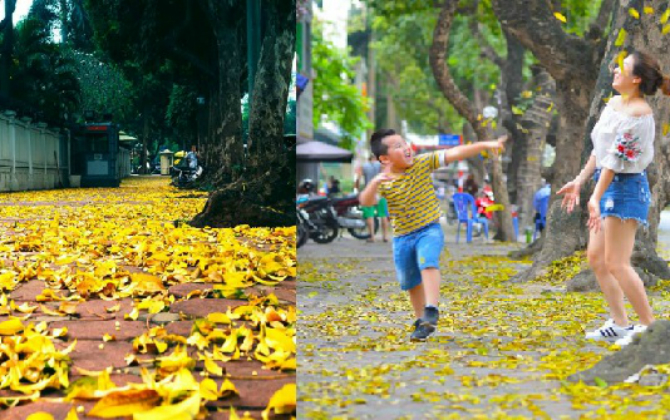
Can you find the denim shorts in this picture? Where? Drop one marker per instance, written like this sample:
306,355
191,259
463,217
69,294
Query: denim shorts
627,197
417,251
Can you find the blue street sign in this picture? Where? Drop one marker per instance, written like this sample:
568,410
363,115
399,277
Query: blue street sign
449,140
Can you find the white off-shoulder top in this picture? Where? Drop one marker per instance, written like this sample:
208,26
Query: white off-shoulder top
623,143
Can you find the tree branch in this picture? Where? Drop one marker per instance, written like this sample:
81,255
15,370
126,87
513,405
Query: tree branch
597,28
532,22
438,63
486,50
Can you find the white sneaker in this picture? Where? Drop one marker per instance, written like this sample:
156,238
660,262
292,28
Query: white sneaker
631,332
608,332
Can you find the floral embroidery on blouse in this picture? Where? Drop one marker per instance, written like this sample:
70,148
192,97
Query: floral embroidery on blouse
627,147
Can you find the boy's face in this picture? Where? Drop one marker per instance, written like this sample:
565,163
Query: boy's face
399,154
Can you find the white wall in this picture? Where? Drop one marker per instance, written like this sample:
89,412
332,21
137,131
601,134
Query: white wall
30,156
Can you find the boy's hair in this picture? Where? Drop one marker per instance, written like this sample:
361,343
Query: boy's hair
377,141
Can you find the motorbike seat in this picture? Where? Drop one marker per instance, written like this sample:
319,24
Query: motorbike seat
350,197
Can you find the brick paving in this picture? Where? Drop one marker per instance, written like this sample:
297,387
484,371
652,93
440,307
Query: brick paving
91,320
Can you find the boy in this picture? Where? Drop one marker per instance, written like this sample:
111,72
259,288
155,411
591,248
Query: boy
406,184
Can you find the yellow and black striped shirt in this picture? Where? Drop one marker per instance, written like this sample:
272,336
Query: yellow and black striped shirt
412,201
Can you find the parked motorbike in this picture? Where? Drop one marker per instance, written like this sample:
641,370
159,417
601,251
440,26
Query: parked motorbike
319,219
350,216
185,176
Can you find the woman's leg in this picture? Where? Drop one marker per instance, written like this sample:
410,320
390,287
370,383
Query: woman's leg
619,243
608,284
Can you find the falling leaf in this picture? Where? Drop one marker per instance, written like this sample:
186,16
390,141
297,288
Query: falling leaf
665,16
560,17
648,10
621,38
665,29
634,13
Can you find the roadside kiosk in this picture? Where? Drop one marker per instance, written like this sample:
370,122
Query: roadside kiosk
94,152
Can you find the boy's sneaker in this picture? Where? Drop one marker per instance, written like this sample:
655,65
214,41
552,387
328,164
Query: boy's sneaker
427,325
608,332
632,331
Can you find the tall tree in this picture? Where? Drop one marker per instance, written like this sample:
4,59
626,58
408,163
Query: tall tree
265,197
438,61
7,47
579,66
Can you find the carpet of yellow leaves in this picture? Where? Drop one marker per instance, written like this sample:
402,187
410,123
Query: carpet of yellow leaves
129,248
503,350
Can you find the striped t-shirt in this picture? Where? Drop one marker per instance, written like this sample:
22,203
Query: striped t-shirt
412,201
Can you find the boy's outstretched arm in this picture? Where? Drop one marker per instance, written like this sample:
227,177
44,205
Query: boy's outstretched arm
469,150
368,197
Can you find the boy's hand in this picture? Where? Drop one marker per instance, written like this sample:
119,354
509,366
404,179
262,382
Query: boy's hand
384,177
497,145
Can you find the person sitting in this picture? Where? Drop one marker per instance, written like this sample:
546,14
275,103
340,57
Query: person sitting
542,193
192,157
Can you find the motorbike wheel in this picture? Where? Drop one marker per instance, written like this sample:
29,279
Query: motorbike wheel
326,233
302,235
362,233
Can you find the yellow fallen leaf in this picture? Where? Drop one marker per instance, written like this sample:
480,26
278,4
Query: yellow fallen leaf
108,337
185,410
218,318
147,284
560,17
133,315
208,389
283,401
114,308
72,414
666,128
213,368
634,13
648,10
48,311
40,415
125,403
25,308
665,29
227,389
11,327
69,308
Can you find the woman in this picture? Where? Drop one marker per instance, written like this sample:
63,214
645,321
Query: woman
623,146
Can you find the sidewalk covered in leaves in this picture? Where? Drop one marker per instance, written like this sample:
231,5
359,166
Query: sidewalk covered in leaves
111,306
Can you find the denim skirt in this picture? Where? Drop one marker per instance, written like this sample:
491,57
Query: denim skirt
627,197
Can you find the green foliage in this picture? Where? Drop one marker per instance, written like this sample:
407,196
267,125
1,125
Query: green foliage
335,96
103,88
579,14
402,51
42,76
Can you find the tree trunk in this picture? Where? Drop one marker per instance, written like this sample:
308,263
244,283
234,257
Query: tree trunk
536,120
7,50
264,196
145,138
438,53
573,63
566,233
